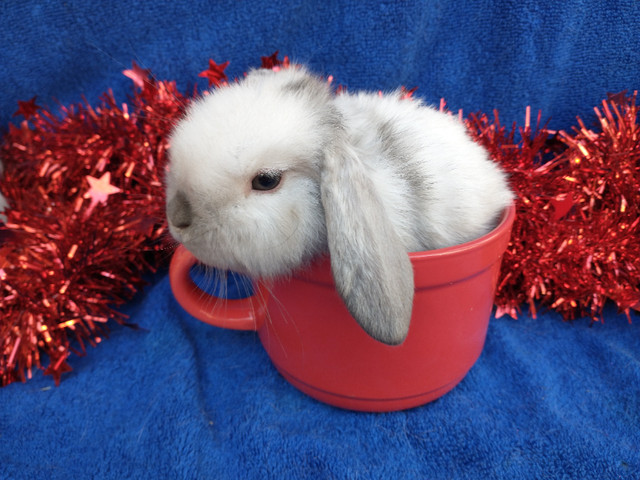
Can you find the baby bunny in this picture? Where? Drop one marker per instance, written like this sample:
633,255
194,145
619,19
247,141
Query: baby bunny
273,170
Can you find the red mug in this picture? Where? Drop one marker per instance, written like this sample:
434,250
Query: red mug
319,348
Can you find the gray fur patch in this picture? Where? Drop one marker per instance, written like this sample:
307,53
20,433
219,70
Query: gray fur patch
313,88
405,162
305,84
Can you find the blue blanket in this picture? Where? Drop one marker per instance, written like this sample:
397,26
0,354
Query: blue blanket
180,399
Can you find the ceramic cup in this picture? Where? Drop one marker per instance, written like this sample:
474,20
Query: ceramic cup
320,349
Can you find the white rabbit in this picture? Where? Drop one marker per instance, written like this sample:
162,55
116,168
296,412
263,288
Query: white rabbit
269,172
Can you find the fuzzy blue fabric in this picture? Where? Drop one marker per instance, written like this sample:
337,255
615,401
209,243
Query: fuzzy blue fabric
178,399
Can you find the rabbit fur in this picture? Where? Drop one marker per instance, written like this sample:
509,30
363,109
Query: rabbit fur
364,176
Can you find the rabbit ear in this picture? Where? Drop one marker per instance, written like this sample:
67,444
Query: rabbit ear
371,268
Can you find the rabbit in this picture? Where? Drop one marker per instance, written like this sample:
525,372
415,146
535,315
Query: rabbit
271,171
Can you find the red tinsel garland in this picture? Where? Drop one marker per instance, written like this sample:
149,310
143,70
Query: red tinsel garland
575,242
85,222
86,216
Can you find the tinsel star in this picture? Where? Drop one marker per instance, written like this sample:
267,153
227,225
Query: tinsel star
99,191
57,369
215,73
273,62
27,109
138,74
562,204
619,97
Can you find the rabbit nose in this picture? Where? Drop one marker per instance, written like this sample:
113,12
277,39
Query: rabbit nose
179,211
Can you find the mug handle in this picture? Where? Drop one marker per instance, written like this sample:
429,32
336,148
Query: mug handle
236,314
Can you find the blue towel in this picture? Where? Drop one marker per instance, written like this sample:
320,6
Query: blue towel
179,399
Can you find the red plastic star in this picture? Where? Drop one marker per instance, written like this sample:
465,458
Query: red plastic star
138,74
619,97
562,204
215,73
272,61
99,191
27,109
56,370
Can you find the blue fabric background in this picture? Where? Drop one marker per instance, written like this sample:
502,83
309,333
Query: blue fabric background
179,399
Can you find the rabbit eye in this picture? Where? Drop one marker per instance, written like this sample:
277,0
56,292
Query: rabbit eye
266,180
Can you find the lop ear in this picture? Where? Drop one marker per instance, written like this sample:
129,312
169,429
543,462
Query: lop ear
371,269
